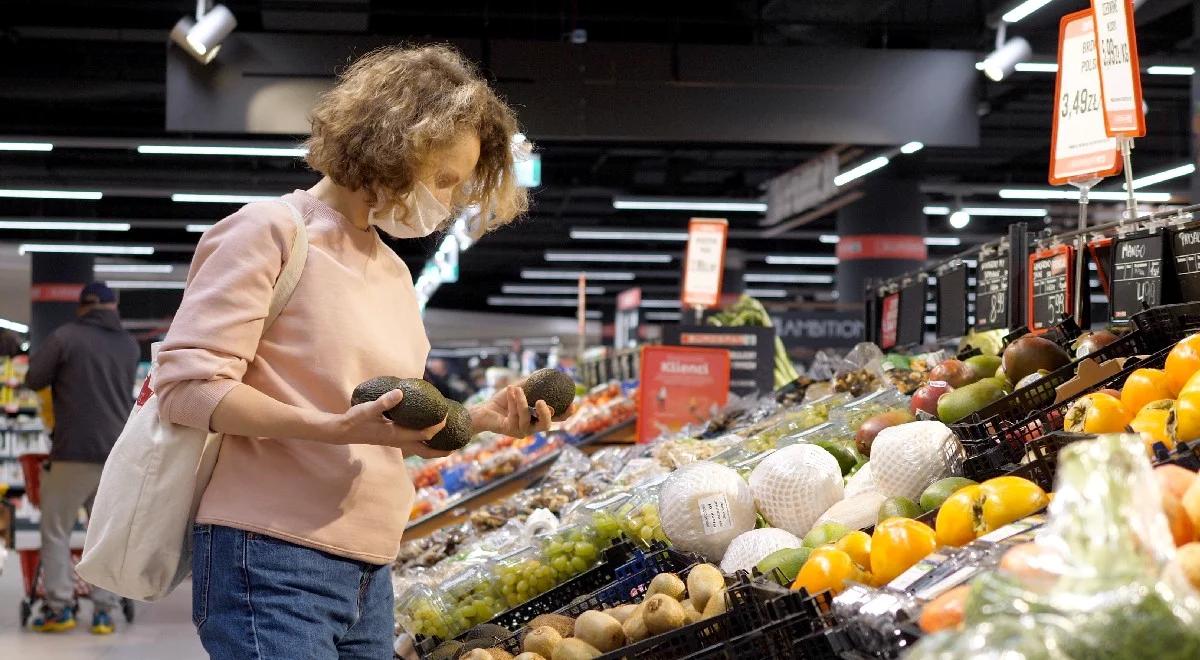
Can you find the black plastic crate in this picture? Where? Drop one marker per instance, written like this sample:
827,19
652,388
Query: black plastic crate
1170,323
632,579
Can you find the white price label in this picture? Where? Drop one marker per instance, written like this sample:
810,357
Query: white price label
705,265
714,513
1120,77
1080,147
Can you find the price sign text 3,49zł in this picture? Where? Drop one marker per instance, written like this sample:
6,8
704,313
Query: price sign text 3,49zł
1080,148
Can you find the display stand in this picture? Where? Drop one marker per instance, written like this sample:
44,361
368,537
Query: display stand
1081,275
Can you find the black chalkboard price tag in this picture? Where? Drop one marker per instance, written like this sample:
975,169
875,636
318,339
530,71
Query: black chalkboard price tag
1185,248
991,290
952,302
911,329
1139,265
1051,287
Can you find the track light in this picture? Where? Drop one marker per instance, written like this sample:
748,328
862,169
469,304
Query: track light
1004,59
202,37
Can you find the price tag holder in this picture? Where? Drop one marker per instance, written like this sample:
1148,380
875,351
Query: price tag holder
1185,248
991,291
704,264
1080,147
952,302
911,329
1051,287
1120,76
1140,266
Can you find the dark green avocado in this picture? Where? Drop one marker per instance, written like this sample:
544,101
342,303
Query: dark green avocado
457,432
552,386
423,405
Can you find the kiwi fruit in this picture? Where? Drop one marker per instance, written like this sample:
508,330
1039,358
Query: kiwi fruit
489,631
457,432
446,650
423,405
552,386
565,625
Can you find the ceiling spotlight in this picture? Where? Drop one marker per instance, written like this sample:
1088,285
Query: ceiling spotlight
960,219
202,37
1004,59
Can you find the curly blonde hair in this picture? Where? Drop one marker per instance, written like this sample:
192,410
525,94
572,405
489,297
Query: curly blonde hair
394,106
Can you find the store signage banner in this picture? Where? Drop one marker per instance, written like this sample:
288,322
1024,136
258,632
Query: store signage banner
679,387
751,352
1080,147
704,264
882,246
801,188
1120,75
819,328
55,293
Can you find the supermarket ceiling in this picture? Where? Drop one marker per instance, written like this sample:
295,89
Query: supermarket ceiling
715,111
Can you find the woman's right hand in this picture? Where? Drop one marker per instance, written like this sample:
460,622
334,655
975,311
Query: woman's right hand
365,424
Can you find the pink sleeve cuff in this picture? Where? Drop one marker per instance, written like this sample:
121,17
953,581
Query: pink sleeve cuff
191,403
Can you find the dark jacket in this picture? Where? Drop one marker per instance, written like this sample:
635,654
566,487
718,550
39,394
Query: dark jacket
91,364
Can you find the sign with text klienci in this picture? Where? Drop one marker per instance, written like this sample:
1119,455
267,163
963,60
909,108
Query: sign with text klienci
1120,76
991,289
679,387
1139,261
1051,287
1080,147
751,352
704,264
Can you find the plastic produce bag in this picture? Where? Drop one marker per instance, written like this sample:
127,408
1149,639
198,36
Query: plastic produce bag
1092,584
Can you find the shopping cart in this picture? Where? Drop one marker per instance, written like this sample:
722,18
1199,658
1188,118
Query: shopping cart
31,559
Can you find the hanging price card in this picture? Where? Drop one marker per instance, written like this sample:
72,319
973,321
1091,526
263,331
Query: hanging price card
1051,287
1080,148
1120,77
704,264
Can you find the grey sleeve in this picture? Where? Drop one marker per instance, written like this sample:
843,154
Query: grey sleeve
43,363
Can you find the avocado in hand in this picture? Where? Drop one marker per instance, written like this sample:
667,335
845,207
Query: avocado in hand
552,386
423,405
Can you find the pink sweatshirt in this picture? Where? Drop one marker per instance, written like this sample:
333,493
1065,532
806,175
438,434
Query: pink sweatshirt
353,316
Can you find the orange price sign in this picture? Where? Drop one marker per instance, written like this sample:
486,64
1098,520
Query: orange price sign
704,264
679,387
1080,147
1120,76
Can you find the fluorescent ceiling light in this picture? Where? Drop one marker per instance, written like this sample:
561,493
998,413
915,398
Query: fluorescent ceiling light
960,219
943,240
202,150
667,204
135,268
534,274
664,316
828,239
85,249
1003,212
204,198
1173,173
912,147
1022,10
800,260
50,194
26,146
532,289
788,278
606,257
1037,67
1171,71
198,229
767,293
508,301
661,304
59,225
861,170
936,210
146,284
1055,193
627,235
14,326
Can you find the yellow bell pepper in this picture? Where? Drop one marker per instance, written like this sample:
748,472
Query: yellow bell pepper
898,544
827,569
976,510
857,544
1096,413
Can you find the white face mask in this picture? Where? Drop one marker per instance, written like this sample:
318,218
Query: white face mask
424,214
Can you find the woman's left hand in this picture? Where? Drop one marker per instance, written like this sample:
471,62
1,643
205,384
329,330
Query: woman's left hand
507,413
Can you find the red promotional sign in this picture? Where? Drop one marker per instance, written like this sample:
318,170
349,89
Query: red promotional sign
882,246
889,320
1120,76
629,299
704,265
55,292
679,387
1080,147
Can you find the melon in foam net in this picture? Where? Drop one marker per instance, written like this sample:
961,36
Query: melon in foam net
795,485
905,459
704,506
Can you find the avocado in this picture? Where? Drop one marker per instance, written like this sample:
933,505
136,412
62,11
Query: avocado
552,386
423,406
457,432
446,650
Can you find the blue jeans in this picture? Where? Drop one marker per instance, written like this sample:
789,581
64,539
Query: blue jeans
255,597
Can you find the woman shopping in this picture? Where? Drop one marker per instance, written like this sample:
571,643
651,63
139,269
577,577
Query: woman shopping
310,496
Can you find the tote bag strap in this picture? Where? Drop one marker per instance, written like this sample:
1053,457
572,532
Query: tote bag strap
292,268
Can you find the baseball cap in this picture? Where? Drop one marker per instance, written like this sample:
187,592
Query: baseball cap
97,292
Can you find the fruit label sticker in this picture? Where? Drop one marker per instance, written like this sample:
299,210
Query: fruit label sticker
1080,147
714,513
1120,77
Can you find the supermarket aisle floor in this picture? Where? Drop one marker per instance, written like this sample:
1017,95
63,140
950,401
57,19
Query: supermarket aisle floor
162,630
